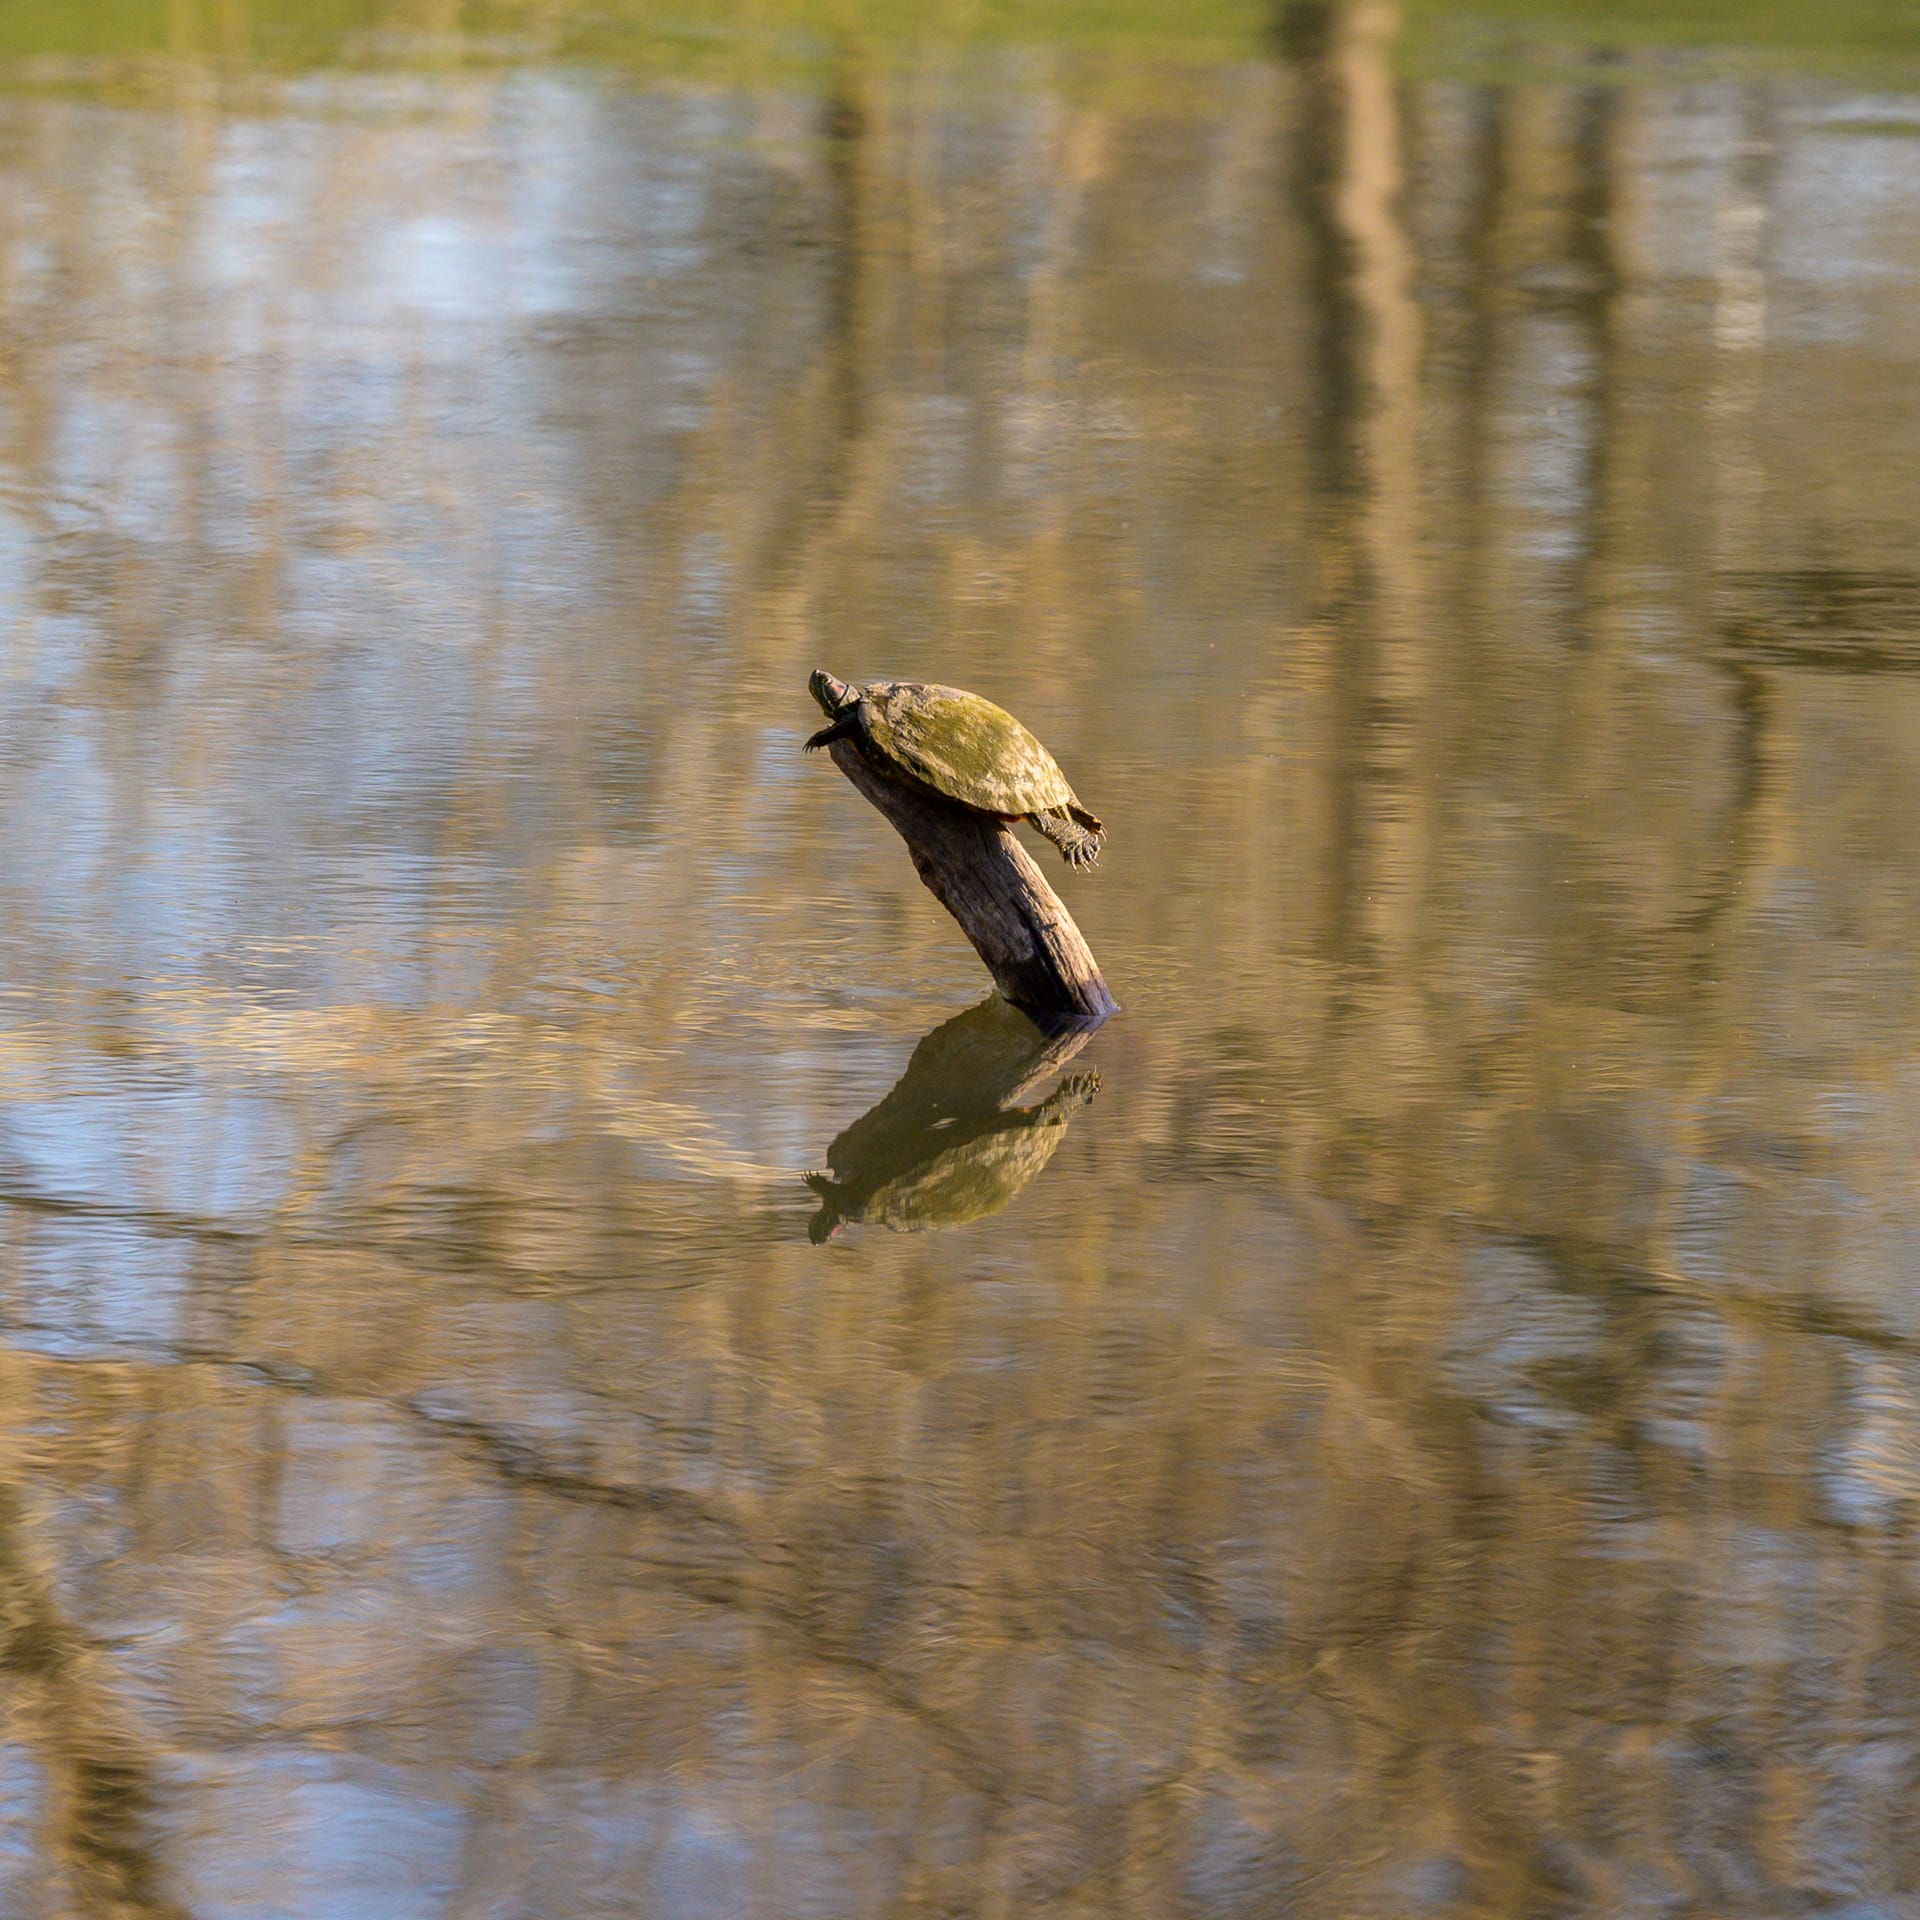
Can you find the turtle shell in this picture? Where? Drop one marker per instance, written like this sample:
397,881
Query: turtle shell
940,1181
963,746
967,1181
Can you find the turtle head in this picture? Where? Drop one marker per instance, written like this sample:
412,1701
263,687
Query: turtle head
834,696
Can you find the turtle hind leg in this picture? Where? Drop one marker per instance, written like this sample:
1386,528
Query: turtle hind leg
1077,834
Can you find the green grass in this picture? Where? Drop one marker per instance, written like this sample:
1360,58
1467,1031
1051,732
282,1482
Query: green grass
1867,39
300,32
747,38
132,29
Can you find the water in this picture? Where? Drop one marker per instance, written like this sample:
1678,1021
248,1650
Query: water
1425,1420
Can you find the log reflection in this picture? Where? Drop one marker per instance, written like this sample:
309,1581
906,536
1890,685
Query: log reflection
952,1142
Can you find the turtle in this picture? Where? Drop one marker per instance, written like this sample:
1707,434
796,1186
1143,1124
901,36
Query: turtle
962,1167
951,1142
962,747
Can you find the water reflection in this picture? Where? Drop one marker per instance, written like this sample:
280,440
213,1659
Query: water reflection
1444,1435
951,1143
1823,619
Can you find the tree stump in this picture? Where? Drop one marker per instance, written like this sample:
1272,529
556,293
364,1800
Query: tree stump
980,873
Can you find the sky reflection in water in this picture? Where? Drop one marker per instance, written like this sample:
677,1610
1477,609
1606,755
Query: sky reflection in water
1436,1435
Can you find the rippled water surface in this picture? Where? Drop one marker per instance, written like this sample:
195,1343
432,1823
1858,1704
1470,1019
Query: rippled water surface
1418,1416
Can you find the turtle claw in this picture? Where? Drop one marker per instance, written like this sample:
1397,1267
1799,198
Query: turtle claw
840,729
825,1224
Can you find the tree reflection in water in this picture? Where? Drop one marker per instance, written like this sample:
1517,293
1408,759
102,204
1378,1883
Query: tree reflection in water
1442,1439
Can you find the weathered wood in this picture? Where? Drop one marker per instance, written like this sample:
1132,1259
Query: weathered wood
982,875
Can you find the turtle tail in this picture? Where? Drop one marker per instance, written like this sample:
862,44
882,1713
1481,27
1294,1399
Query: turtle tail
1074,831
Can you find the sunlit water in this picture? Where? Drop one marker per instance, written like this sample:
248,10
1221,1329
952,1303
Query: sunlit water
1424,1420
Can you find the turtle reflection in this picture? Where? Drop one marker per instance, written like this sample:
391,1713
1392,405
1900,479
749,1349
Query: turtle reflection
951,1142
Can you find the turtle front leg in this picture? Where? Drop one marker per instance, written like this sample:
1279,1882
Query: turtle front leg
842,729
1076,1090
829,1220
1082,849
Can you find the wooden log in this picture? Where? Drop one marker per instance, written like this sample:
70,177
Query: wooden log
984,877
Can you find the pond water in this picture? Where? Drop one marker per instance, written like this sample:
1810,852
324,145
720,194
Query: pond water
1419,1415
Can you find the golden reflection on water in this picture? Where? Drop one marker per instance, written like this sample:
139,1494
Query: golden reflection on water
1436,1436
